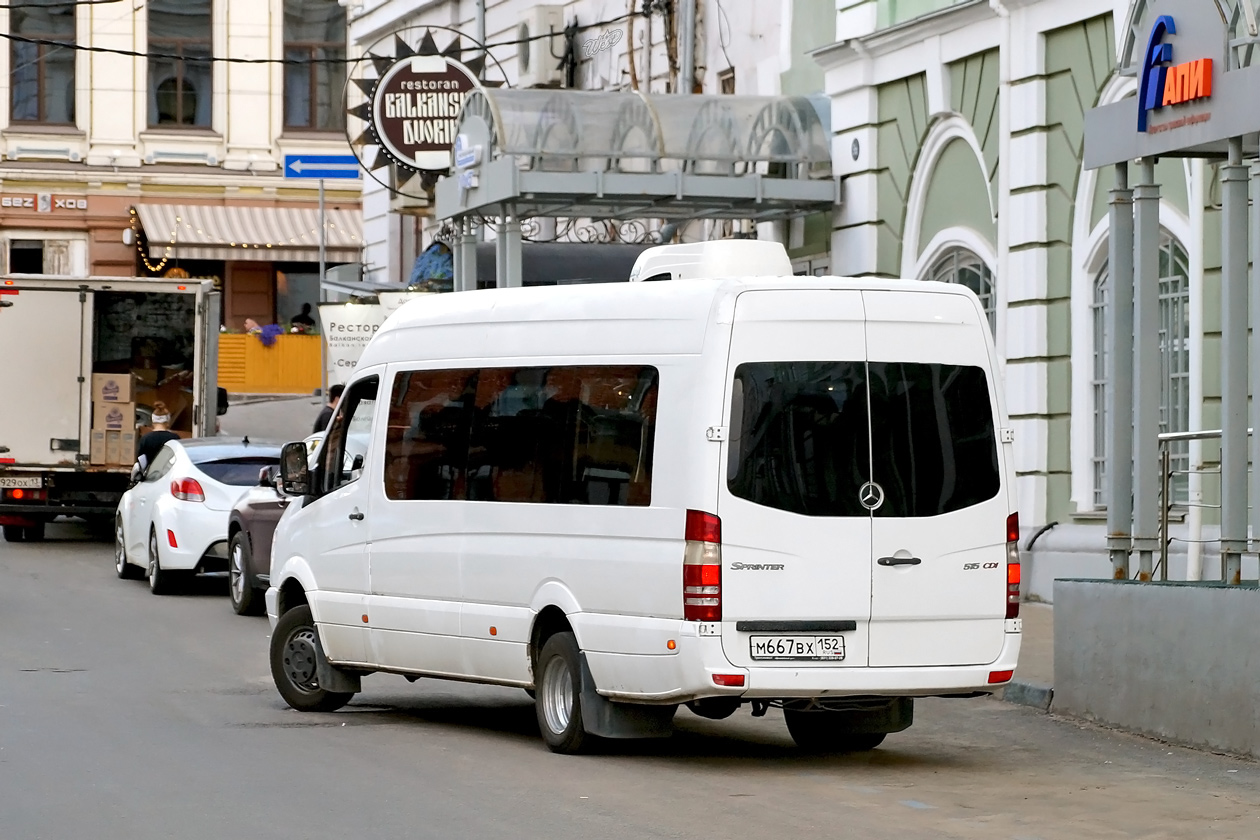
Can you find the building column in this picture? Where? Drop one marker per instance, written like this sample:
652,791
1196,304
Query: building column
1120,375
1146,368
1234,179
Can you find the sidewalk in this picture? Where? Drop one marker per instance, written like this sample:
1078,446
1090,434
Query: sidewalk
1034,677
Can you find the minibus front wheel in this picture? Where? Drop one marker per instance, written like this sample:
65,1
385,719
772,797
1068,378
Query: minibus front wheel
295,664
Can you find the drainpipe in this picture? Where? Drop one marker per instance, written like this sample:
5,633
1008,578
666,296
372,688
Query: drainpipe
687,46
480,24
1194,517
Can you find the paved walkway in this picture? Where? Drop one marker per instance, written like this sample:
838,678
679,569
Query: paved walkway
1036,654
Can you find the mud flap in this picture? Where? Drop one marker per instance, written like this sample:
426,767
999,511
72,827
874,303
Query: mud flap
606,719
332,678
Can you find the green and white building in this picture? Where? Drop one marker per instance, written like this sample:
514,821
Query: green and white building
959,130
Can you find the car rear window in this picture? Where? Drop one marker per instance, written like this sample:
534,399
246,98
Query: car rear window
805,437
237,472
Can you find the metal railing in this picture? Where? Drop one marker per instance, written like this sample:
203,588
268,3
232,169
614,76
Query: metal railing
1166,503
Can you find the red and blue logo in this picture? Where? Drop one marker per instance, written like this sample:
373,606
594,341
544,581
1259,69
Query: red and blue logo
1162,84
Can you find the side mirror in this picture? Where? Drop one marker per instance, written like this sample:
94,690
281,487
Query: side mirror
266,476
295,476
222,407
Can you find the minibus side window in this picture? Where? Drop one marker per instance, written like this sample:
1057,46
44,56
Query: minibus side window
564,435
349,436
426,443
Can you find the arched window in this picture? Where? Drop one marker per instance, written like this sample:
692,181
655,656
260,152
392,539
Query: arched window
179,70
315,36
1174,354
959,265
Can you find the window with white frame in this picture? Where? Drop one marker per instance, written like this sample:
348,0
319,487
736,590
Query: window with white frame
965,267
1174,354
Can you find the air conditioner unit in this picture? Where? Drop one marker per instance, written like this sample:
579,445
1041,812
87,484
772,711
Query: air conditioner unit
536,62
716,258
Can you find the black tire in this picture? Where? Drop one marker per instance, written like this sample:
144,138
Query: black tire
826,732
14,533
161,582
293,657
124,570
559,702
35,533
246,600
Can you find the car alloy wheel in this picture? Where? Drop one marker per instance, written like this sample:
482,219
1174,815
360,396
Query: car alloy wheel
236,573
120,548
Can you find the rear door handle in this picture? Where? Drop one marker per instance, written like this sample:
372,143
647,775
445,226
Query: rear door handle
356,516
899,561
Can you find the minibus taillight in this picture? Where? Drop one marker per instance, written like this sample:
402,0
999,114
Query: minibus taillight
1012,566
188,490
702,568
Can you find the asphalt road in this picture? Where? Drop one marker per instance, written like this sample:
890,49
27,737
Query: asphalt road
127,715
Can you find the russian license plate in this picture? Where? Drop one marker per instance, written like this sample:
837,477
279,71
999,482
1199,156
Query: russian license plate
10,482
797,647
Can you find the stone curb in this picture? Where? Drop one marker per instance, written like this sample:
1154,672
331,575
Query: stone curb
1036,695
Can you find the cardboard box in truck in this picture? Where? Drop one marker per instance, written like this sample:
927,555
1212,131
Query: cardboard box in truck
113,388
114,417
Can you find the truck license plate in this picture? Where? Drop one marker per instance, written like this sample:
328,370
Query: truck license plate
10,482
797,647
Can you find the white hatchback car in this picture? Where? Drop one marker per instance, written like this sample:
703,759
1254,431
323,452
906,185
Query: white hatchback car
173,522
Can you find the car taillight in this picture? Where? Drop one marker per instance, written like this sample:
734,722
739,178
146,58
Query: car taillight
1012,566
188,490
21,494
702,568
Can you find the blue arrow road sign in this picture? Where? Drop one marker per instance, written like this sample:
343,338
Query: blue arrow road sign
321,166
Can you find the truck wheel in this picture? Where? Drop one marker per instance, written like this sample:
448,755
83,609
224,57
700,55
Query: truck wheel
827,732
293,664
559,703
160,582
125,570
245,598
14,533
35,533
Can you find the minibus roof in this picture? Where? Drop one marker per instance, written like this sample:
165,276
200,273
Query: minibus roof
660,318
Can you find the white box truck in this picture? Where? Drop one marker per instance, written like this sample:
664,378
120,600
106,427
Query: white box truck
158,336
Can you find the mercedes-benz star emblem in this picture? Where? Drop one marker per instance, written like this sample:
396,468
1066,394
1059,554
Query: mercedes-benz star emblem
871,495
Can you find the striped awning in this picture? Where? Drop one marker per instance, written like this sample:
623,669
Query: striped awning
249,232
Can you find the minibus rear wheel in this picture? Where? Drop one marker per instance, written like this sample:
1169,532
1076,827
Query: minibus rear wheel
294,646
559,702
828,732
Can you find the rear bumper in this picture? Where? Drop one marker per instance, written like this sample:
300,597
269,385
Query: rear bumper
43,513
688,675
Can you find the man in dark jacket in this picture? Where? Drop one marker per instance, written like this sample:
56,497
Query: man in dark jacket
325,415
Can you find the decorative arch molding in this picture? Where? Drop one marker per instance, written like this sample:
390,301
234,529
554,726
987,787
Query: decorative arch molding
947,240
942,133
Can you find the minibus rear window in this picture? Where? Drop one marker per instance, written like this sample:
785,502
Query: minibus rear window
799,439
805,437
932,438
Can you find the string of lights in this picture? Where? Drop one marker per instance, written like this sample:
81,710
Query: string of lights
144,258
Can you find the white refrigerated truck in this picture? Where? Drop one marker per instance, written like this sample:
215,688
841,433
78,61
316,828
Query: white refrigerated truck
54,333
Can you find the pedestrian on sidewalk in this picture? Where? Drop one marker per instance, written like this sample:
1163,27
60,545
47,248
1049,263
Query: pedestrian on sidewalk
325,415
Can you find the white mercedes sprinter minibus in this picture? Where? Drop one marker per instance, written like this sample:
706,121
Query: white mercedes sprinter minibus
791,491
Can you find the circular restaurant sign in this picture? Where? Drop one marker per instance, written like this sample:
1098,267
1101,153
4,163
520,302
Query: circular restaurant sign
415,106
